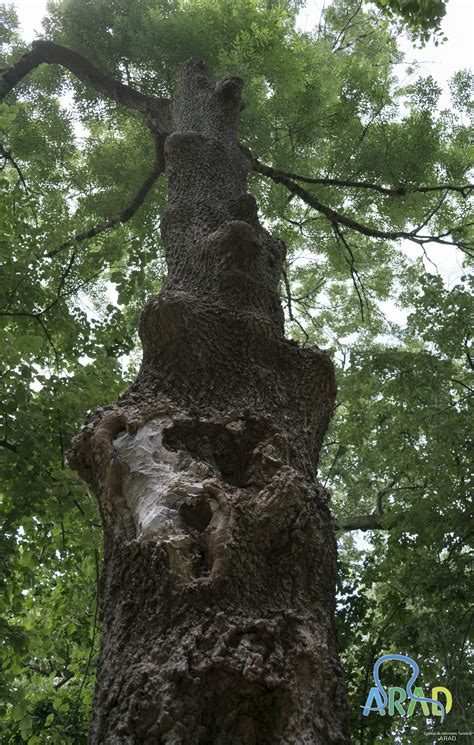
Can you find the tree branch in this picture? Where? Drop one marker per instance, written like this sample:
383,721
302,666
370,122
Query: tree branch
336,47
370,522
376,520
47,52
355,276
128,212
155,110
66,676
38,313
288,293
401,191
342,219
6,155
361,522
469,358
464,385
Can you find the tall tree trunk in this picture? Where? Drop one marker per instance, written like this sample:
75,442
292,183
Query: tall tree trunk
218,589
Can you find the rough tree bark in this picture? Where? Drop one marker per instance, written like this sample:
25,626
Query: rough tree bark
218,588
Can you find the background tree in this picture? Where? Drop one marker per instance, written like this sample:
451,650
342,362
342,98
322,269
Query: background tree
324,106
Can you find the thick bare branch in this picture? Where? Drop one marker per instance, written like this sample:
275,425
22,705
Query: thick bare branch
48,52
370,522
155,110
361,522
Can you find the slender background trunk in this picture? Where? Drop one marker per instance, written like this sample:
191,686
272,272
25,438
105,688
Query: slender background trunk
218,589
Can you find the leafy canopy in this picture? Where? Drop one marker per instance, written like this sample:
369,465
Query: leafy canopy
422,17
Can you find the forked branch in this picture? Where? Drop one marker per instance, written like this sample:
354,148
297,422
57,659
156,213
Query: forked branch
339,218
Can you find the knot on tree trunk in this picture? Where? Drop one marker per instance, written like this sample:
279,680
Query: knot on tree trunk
234,246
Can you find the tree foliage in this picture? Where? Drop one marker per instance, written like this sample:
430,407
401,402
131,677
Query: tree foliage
327,105
422,17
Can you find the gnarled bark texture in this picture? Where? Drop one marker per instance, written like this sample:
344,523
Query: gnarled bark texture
218,589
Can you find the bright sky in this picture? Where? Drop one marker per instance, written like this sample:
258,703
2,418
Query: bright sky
441,62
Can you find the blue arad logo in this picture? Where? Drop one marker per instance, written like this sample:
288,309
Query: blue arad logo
397,696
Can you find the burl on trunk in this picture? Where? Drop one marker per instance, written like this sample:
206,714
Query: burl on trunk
218,587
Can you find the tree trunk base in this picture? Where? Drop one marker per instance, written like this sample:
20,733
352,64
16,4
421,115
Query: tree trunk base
217,592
